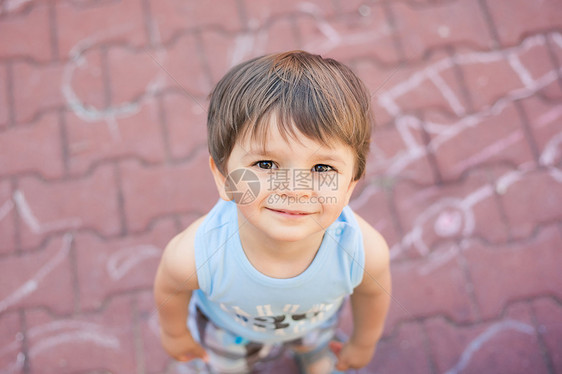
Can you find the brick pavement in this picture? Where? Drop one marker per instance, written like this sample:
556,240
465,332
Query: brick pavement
103,159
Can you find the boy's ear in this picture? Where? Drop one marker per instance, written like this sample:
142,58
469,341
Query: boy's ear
220,179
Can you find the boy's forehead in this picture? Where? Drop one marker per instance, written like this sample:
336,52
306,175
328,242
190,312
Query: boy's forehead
272,139
304,146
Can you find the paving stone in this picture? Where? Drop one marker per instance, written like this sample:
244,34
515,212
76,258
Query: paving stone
470,142
102,139
7,219
106,268
30,279
155,358
4,101
168,189
545,187
30,26
279,35
422,28
503,274
431,85
508,345
45,157
534,60
11,339
186,124
225,50
184,67
529,18
363,7
259,13
135,133
137,74
552,91
37,88
544,120
440,288
350,37
549,325
377,79
404,352
373,204
170,18
48,207
489,77
101,341
86,24
554,42
398,152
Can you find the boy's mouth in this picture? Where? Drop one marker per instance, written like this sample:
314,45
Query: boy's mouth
290,212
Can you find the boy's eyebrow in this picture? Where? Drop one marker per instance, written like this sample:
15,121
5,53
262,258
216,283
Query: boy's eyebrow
328,157
256,152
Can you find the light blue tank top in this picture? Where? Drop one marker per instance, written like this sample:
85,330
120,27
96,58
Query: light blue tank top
240,299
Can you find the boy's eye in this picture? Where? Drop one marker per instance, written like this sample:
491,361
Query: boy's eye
265,165
322,168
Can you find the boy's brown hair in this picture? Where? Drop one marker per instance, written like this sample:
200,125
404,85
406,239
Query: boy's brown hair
320,97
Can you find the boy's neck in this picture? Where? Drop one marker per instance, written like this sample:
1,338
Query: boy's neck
277,259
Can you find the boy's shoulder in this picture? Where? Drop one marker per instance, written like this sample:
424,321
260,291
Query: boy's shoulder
178,258
377,256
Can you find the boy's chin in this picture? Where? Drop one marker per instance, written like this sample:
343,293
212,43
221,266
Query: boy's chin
290,234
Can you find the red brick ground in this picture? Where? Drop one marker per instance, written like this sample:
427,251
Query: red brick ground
103,159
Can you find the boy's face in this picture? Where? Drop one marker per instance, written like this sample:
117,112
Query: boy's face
303,185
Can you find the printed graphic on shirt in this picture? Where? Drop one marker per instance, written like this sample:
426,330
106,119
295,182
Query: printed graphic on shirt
291,320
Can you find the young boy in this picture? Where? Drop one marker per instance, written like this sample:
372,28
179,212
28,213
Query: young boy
270,266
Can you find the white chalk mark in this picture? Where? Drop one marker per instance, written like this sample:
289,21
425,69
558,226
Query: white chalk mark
508,179
488,152
333,38
53,334
477,196
522,72
448,223
86,112
75,337
476,344
549,117
447,92
243,47
33,223
32,284
438,259
552,150
557,39
122,261
14,367
12,5
25,212
556,174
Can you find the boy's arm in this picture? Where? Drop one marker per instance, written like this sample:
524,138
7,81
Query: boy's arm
369,302
175,280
